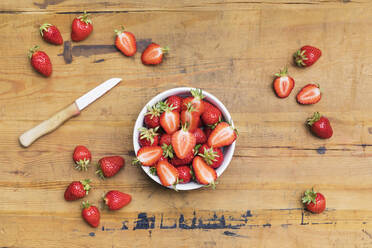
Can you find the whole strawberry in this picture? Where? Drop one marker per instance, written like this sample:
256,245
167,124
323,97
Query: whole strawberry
165,139
81,27
174,101
90,214
175,161
320,126
115,200
306,56
82,157
200,136
152,117
77,190
51,34
212,156
40,61
211,116
314,202
184,174
109,166
148,137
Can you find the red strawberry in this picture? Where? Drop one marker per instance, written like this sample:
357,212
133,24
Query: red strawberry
208,131
125,42
82,157
320,126
115,200
90,214
175,161
309,94
204,174
283,84
40,61
148,137
222,135
183,142
184,174
167,151
170,120
77,190
191,117
51,34
152,117
81,27
211,116
207,105
165,139
306,56
167,173
153,54
196,100
174,101
148,155
212,156
109,166
200,136
314,202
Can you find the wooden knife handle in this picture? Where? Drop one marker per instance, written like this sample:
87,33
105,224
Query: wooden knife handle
49,125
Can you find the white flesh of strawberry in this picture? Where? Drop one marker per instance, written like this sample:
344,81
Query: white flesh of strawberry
170,178
170,119
223,135
145,157
284,84
310,94
205,174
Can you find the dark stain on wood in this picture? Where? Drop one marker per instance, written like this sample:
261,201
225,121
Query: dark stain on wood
367,233
92,234
321,150
142,44
17,172
267,225
370,130
321,223
98,60
285,225
124,226
67,54
46,3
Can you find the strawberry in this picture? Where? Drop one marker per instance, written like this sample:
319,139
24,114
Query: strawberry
77,190
183,142
208,131
196,100
116,200
152,117
223,135
314,202
82,157
306,56
153,54
148,137
167,151
320,126
283,84
200,136
212,156
125,42
165,139
191,117
109,166
175,161
81,27
310,94
167,173
40,61
51,34
90,214
207,105
211,116
170,120
148,155
184,174
174,101
204,174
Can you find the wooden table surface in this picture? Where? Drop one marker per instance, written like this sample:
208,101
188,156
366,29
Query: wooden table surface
228,48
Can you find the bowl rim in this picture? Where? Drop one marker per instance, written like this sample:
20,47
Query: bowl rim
228,151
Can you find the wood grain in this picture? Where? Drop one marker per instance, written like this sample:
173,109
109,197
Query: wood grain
228,48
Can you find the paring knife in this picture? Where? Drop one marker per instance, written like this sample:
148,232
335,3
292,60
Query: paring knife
72,110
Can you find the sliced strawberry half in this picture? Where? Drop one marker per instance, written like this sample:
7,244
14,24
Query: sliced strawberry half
196,100
125,42
170,120
153,54
283,84
204,174
191,117
223,135
183,142
167,173
309,94
148,155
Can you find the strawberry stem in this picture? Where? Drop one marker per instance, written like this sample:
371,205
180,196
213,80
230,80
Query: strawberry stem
119,31
86,185
282,73
197,93
165,49
309,196
316,117
44,27
85,204
33,50
85,18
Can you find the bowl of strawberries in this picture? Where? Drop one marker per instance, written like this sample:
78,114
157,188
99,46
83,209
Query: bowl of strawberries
184,138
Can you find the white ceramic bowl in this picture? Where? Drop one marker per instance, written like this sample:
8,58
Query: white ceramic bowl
228,151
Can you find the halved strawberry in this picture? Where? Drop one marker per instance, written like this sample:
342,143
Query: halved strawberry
283,84
183,142
170,120
204,174
148,137
223,135
153,54
125,42
309,94
148,155
167,173
191,117
196,100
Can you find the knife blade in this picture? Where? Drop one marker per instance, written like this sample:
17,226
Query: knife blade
47,126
